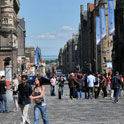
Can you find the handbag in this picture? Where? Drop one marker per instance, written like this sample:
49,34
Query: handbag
39,101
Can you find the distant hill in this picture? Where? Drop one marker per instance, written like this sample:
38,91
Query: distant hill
50,57
51,61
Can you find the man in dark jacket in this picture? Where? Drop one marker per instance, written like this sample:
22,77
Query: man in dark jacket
3,95
25,91
116,84
72,85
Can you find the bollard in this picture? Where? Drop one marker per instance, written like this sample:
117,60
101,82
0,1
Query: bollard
59,93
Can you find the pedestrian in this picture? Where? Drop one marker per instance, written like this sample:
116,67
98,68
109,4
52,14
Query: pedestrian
85,86
4,99
97,86
108,83
79,87
72,85
90,80
24,93
122,87
53,85
14,88
19,79
61,83
104,86
116,83
38,97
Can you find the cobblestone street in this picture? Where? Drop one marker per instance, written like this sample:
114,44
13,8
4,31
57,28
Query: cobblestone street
66,111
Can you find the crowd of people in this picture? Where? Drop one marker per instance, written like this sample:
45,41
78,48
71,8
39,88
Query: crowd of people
91,86
95,85
86,86
23,93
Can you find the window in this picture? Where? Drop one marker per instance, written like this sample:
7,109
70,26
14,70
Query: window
5,21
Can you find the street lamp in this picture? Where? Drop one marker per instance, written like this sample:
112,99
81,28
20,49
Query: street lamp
11,32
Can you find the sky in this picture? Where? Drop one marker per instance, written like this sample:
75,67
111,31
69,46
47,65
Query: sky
51,23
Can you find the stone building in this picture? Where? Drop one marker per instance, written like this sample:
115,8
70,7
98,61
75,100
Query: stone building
91,35
9,13
29,54
118,44
104,50
90,57
60,59
68,55
83,43
21,37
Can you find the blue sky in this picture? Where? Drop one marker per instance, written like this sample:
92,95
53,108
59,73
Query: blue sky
51,23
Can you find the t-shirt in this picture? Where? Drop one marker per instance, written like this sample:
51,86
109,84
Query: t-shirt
24,92
2,87
91,80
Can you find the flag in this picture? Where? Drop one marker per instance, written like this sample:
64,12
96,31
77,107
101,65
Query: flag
102,24
97,30
111,17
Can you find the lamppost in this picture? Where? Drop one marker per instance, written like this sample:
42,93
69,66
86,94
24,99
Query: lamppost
11,32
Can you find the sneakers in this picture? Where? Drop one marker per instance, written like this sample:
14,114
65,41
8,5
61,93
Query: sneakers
15,110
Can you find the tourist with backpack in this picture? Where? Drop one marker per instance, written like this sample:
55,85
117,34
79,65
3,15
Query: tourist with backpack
116,85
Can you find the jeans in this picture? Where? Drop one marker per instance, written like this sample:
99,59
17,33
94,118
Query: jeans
117,94
79,94
5,103
37,110
1,104
53,90
15,99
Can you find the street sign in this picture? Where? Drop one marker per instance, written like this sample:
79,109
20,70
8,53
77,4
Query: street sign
107,51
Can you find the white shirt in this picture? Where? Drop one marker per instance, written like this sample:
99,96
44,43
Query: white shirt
90,80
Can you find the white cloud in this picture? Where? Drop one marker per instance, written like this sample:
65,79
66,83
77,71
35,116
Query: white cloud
67,28
47,36
59,35
51,36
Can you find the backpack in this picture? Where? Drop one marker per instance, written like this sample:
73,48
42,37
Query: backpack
115,83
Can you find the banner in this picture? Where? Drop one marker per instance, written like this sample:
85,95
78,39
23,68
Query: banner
97,30
102,24
111,18
37,56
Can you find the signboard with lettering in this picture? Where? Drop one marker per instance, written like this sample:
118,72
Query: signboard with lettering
8,74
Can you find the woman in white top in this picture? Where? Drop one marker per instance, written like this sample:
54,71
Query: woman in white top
38,97
14,88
